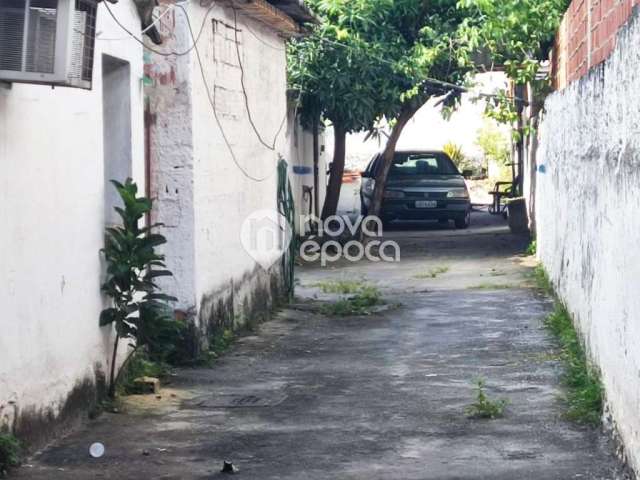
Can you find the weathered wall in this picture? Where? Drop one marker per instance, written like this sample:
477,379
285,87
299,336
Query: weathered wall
300,159
588,198
52,195
216,280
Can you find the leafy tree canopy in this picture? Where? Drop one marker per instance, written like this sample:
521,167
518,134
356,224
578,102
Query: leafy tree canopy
367,58
518,34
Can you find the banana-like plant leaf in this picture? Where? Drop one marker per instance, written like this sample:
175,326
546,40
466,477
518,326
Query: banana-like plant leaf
108,316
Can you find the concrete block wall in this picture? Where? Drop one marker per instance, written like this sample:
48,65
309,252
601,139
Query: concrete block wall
587,36
587,203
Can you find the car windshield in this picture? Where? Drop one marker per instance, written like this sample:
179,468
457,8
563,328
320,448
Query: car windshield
422,164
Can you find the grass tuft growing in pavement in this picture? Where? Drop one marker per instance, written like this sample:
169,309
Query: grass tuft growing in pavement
532,248
9,453
433,273
584,395
361,303
585,392
484,407
343,287
542,281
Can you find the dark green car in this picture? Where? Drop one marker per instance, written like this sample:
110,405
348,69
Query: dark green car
422,185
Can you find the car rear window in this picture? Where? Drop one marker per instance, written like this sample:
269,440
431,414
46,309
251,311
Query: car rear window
422,164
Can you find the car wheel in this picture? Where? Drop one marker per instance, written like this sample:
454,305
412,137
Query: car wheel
463,222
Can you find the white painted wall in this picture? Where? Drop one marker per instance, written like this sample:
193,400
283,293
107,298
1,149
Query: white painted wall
588,199
52,216
204,194
223,195
300,160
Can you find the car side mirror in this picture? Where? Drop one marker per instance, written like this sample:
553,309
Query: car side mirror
467,173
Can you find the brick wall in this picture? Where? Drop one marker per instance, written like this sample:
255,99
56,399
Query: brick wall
587,36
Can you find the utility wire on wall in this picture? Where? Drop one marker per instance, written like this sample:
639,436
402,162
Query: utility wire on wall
215,112
158,52
271,146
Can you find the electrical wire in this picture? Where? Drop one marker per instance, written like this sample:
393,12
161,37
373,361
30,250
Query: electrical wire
143,31
217,118
432,81
272,145
158,52
257,37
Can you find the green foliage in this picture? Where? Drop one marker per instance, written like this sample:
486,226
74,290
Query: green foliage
542,281
494,144
358,304
515,33
219,343
433,273
341,286
456,155
9,452
484,407
367,58
133,265
139,365
585,391
532,248
165,339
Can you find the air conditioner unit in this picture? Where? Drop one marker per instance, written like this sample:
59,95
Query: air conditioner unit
47,41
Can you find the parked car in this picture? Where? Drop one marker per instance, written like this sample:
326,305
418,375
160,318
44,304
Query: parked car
422,185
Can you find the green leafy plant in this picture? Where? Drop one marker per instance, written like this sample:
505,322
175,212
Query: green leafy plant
9,453
140,365
133,265
484,407
585,392
532,249
456,154
359,304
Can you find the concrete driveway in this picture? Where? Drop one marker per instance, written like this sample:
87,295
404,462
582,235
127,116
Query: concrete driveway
375,397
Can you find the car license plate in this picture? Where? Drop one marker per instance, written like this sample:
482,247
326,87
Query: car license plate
427,204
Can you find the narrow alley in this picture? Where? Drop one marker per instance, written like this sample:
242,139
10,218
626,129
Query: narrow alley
381,396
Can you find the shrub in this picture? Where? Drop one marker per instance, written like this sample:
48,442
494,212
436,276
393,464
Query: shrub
9,453
132,267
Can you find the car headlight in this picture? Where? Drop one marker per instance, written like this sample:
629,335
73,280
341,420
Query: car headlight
393,194
458,193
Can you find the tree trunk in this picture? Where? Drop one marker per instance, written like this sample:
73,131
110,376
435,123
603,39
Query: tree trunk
112,376
389,152
337,171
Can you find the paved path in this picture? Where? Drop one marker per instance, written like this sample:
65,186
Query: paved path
379,397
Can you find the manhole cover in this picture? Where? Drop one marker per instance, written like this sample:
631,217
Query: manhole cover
265,399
